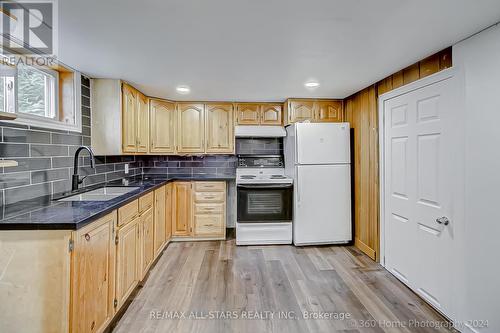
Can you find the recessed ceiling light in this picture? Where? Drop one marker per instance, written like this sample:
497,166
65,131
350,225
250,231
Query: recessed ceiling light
311,84
183,89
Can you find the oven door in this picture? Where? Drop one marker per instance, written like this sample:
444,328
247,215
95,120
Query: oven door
264,203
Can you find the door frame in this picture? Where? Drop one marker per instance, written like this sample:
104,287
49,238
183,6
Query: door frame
451,73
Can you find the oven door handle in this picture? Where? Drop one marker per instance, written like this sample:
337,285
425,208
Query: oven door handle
270,186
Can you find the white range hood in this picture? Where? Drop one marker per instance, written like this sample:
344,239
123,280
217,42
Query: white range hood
259,131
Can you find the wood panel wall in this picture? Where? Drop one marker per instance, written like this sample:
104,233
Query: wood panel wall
361,111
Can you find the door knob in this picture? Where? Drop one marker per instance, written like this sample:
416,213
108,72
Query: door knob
443,220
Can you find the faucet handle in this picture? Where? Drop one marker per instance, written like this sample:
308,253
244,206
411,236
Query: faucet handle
82,179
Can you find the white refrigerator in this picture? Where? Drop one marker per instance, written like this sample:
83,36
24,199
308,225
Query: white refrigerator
318,158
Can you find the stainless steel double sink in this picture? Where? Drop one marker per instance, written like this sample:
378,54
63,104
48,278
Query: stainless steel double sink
101,194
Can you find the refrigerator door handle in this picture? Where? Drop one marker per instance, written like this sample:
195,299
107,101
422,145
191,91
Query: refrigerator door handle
298,187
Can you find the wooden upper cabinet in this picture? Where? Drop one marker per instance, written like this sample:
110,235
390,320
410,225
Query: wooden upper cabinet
248,114
271,114
300,110
162,126
93,276
190,128
313,110
181,209
219,128
142,123
329,111
129,119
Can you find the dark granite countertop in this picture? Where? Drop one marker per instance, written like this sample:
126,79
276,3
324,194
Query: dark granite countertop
45,213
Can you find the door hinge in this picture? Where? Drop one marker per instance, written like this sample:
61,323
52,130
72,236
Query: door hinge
71,245
115,303
116,240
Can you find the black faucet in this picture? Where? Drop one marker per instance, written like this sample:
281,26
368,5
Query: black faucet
76,178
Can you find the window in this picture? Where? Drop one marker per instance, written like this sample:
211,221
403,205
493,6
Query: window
41,96
36,92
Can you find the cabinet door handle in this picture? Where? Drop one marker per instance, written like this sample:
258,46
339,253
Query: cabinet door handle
87,237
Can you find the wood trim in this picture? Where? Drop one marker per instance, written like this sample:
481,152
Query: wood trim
365,248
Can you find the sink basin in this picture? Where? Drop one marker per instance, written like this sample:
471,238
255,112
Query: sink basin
101,194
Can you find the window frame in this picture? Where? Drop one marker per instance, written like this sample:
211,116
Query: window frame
54,102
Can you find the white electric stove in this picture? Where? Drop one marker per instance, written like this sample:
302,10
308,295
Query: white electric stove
264,201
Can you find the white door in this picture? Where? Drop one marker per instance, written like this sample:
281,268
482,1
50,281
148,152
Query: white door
322,213
420,138
326,143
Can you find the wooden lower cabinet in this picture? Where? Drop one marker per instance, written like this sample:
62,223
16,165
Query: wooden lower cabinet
146,234
159,220
181,209
168,211
199,209
127,261
93,276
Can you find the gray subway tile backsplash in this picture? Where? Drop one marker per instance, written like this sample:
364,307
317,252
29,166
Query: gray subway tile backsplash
45,160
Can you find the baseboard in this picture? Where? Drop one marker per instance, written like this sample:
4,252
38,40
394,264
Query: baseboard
365,248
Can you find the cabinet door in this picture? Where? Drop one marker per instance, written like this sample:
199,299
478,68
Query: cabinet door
129,119
142,123
329,111
159,224
127,261
162,127
220,128
190,128
271,114
168,211
93,268
146,229
181,218
300,110
247,114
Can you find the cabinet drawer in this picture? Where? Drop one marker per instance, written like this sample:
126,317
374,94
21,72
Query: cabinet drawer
145,202
209,225
209,197
210,186
208,208
128,212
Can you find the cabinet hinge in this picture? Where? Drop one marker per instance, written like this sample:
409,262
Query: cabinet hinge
71,245
115,303
116,240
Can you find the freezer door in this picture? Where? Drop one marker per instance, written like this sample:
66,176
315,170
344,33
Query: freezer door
323,143
322,205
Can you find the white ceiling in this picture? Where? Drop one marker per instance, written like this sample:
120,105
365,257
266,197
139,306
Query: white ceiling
260,50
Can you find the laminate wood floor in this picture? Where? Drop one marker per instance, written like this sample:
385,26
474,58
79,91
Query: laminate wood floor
219,287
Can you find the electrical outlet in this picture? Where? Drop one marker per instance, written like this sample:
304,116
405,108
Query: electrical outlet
126,169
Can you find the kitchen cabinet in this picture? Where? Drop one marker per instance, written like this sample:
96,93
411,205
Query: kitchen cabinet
190,128
219,128
329,111
146,233
199,209
248,114
162,125
259,113
313,110
93,269
127,260
168,211
159,220
129,119
181,209
142,123
271,114
120,118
